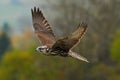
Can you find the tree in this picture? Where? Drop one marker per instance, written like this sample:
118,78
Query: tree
5,39
115,46
17,65
106,22
6,27
26,65
100,15
4,43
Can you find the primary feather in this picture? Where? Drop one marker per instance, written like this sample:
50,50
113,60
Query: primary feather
42,28
66,43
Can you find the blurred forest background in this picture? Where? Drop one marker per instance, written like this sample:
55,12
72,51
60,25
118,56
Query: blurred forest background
101,43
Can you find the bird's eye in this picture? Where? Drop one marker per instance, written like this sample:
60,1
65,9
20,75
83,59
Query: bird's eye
40,48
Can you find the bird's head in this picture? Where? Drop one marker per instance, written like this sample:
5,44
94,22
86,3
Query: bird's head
42,49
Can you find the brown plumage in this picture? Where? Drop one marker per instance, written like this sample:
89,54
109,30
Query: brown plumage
61,46
42,28
66,43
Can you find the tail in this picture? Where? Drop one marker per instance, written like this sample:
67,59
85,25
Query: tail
77,56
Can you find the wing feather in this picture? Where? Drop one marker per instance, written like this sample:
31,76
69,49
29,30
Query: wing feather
42,28
68,42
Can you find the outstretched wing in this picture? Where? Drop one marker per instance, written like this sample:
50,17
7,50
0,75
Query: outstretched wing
66,43
42,28
77,56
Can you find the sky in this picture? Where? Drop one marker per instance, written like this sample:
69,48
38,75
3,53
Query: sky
13,10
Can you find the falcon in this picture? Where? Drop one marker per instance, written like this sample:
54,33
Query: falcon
52,46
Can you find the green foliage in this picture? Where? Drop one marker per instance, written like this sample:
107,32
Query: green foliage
27,65
17,66
104,72
115,46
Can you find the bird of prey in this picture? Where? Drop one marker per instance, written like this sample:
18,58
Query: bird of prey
51,46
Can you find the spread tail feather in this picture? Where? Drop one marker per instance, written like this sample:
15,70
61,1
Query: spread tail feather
77,56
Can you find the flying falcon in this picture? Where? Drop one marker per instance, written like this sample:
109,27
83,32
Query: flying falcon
51,46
